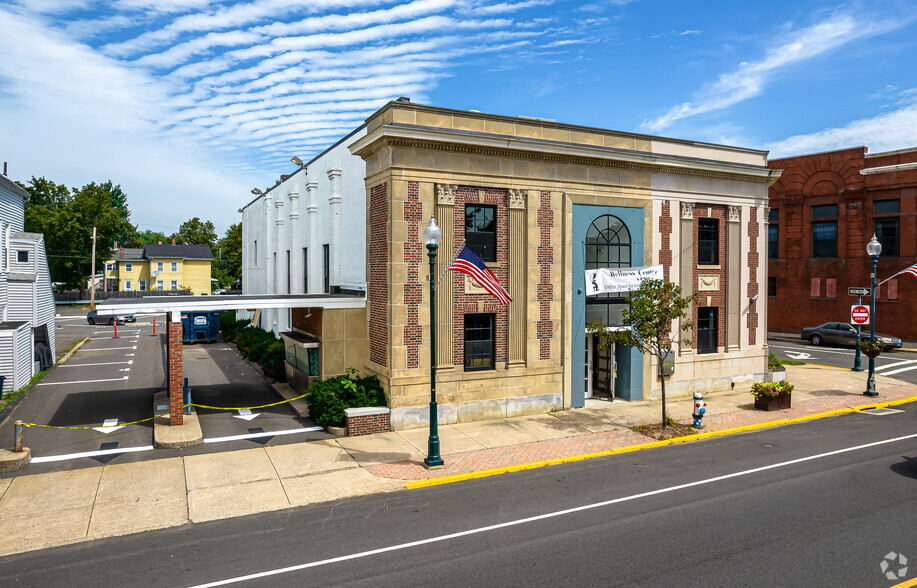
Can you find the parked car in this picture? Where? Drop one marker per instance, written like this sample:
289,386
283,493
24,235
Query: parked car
92,317
844,334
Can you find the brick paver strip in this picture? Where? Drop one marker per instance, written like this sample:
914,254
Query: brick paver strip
484,459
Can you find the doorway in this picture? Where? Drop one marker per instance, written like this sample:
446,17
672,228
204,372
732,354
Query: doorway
600,370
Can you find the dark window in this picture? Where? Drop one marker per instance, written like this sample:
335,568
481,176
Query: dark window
824,239
481,230
708,241
825,210
22,256
773,215
772,233
887,234
886,206
288,272
479,342
326,269
255,254
305,270
772,286
706,329
607,246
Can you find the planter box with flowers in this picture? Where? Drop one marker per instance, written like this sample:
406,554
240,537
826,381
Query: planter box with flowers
772,395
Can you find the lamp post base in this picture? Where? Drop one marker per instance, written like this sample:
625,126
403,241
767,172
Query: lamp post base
434,464
871,386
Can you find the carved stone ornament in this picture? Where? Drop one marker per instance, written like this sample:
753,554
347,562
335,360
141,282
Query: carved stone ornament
735,214
445,194
767,214
708,283
472,287
687,210
517,198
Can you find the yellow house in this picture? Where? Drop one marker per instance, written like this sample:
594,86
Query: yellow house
160,267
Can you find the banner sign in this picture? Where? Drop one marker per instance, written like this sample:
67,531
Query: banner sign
608,280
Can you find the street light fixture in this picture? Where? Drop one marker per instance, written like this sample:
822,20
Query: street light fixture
256,191
873,248
297,161
432,237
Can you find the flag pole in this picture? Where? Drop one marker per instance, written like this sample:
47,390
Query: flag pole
459,250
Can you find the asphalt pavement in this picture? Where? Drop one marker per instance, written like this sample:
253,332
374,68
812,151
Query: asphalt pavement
821,503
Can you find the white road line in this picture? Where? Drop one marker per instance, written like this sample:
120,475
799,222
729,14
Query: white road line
541,517
264,434
82,382
69,365
896,364
47,458
897,371
811,349
108,348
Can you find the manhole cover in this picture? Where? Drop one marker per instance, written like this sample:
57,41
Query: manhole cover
881,411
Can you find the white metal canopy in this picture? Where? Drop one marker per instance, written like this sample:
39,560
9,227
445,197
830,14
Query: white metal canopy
219,303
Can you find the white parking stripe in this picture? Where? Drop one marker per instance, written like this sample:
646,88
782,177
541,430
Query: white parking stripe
264,434
48,458
898,371
82,382
108,348
810,349
69,365
896,364
540,517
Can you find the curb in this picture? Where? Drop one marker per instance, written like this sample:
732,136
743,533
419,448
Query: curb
72,350
675,440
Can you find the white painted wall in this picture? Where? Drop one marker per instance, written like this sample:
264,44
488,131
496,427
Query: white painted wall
308,201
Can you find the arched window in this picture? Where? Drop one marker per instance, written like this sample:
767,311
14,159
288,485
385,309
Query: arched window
607,245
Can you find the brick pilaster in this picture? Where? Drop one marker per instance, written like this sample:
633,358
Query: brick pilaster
176,399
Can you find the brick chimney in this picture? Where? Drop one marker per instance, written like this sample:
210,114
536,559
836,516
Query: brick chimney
115,245
122,252
173,240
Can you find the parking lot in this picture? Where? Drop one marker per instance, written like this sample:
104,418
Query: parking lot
97,407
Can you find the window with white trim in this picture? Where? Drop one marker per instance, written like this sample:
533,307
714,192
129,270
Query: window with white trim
173,285
173,267
128,267
128,285
143,285
159,266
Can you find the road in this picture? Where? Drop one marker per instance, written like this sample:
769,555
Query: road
814,504
900,365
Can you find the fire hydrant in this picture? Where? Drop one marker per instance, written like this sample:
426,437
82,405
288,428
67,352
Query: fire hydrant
700,409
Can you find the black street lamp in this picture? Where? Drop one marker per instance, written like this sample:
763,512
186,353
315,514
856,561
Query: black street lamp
432,236
873,248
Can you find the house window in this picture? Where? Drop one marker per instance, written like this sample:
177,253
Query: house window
824,239
772,286
773,215
887,228
326,268
886,206
607,246
173,267
110,267
143,285
305,269
128,267
706,329
159,266
708,241
773,231
826,210
481,230
22,256
128,285
173,284
159,285
479,342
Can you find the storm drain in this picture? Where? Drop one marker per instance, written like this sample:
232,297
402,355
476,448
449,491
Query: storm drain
881,411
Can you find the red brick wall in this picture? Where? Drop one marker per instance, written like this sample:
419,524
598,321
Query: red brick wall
367,425
665,239
718,297
753,232
377,287
413,288
310,324
465,303
176,382
545,290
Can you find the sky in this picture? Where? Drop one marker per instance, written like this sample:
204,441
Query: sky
189,104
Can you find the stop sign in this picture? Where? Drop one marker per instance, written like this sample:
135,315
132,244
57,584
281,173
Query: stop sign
859,314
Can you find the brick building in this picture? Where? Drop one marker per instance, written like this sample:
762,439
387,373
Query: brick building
823,210
542,202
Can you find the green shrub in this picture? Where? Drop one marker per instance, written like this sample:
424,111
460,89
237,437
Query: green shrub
255,344
773,362
329,398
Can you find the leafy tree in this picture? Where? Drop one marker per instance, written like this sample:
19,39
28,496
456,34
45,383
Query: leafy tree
227,267
652,309
196,232
66,217
150,237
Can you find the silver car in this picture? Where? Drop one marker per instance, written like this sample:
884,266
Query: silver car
845,334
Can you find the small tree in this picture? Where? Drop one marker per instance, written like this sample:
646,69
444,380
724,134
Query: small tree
652,309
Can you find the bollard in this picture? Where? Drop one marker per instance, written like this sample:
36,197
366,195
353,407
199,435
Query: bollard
17,442
116,328
154,326
187,397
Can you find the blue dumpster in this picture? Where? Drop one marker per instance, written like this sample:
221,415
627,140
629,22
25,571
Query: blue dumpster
200,326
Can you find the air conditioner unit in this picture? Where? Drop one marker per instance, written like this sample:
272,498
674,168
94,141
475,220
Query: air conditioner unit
155,273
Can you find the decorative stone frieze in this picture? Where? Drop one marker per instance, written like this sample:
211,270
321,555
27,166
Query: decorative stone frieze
517,198
708,283
734,214
445,194
687,210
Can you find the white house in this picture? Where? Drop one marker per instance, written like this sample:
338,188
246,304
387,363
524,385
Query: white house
26,299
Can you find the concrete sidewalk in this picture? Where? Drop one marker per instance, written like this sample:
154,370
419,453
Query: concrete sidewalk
44,510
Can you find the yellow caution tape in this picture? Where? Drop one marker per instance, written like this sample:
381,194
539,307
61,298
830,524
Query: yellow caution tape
248,407
118,424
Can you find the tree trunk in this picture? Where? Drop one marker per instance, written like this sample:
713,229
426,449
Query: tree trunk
664,420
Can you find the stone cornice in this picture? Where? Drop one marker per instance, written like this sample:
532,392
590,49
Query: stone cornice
501,146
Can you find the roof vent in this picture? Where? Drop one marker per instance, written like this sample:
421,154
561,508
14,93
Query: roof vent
284,177
403,99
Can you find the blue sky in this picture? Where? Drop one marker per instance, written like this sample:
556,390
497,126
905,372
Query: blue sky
188,104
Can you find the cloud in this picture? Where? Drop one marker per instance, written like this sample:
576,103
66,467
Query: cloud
750,78
689,32
885,132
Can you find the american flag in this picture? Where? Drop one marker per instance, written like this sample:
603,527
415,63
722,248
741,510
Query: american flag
911,270
469,262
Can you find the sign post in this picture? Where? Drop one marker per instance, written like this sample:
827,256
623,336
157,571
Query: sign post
859,314
856,358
